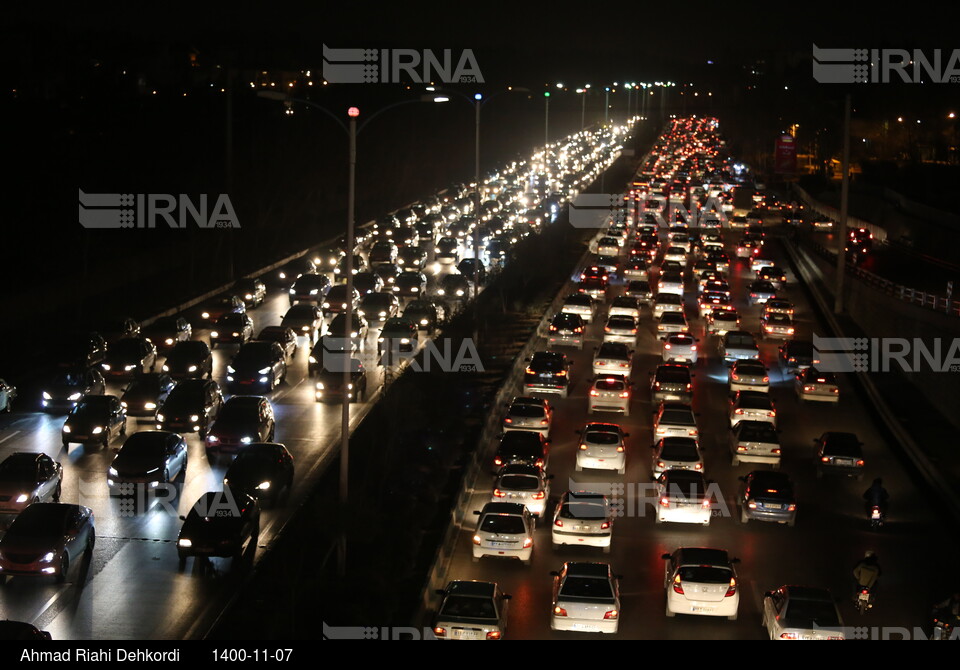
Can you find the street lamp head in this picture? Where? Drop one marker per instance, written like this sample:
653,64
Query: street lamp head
477,96
437,98
353,112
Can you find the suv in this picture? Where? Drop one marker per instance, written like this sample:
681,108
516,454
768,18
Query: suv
548,372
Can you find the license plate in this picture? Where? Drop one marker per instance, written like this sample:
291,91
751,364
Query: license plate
499,545
582,626
701,609
772,506
81,437
844,461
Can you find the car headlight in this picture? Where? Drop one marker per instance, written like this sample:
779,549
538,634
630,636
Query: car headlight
404,340
47,396
47,557
236,334
214,334
97,430
424,322
264,370
184,542
320,386
123,403
66,428
166,368
326,304
105,366
160,417
313,359
293,291
314,291
149,405
246,440
192,368
205,315
263,486
230,369
22,498
248,296
168,341
305,328
194,417
112,472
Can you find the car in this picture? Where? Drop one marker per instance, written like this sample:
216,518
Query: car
679,348
411,257
796,355
425,313
67,386
330,381
608,246
335,302
129,356
244,419
722,321
812,385
586,598
447,250
455,287
305,319
640,289
779,306
528,413
621,329
755,442
388,272
27,478
748,248
613,357
624,305
675,419
522,447
859,241
528,485
581,304
46,539
839,453
118,328
610,393
167,331
232,328
145,393
410,284
504,530
778,326
382,251
309,288
700,580
218,307
471,610
749,375
584,519
594,287
676,453
774,275
602,447
547,372
149,458
189,360
257,364
359,328
738,345
682,497
761,291
367,282
720,260
398,335
81,350
711,301
635,268
752,406
595,272
191,407
566,330
671,381
282,335
610,264
672,322
676,253
94,419
251,290
801,613
767,495
473,270
291,271
358,265
667,302
261,470
220,523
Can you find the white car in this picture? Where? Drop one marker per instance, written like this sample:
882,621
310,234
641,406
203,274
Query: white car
524,484
675,253
528,413
613,357
608,246
610,393
620,328
749,375
778,326
586,598
675,419
624,305
755,442
815,386
504,530
667,302
752,406
673,322
801,613
581,304
584,519
676,453
471,610
602,448
722,321
680,348
737,345
682,498
713,300
670,283
701,581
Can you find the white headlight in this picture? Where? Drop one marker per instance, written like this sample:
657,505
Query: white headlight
97,430
22,498
192,368
263,486
66,428
313,359
214,333
160,417
194,417
112,472
47,557
106,366
246,440
47,396
149,405
184,542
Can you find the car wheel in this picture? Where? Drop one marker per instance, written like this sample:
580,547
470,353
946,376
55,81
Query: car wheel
56,493
64,568
792,522
666,610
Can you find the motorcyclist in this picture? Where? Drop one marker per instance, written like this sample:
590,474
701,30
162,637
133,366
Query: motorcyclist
877,496
867,572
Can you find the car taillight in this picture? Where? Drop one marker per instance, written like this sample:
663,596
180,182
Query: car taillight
498,461
606,329
494,635
605,525
508,420
741,449
601,363
825,459
543,422
732,589
553,328
766,379
529,371
689,386
789,636
666,346
775,451
559,611
497,493
558,523
771,414
809,388
625,394
594,392
693,348
656,385
579,329
860,462
752,505
706,503
734,377
440,632
620,449
791,508
527,542
611,614
476,539
835,390
698,466
665,501
539,495
738,411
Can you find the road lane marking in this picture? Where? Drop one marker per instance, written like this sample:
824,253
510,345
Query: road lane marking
9,436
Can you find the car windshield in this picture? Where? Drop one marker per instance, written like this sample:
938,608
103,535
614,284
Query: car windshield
254,352
741,340
468,607
675,375
192,348
92,405
705,574
673,318
586,588
519,483
232,320
146,384
610,385
502,523
126,347
842,445
68,379
38,521
547,364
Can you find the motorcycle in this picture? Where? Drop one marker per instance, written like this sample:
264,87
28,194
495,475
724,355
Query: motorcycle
945,625
864,599
876,516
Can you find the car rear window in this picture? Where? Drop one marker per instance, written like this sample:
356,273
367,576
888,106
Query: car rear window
680,417
519,483
705,574
501,523
586,588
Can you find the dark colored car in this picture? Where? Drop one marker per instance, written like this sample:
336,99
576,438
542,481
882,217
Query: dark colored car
336,300
672,381
311,288
304,319
410,284
46,539
220,523
231,328
547,372
257,364
130,356
282,335
287,274
95,418
839,453
81,350
398,334
22,631
150,457
412,258
188,360
797,355
118,328
382,251
767,496
329,386
252,291
470,266
66,388
227,304
167,331
192,406
263,470
146,393
424,313
378,307
27,478
367,282
244,419
522,447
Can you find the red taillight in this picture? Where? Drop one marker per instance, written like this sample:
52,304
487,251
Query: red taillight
620,449
825,459
738,411
527,542
766,379
698,466
706,503
732,589
477,539
693,348
498,461
494,635
605,525
606,329
625,394
543,422
791,508
752,505
553,328
677,585
666,346
497,493
440,632
508,420
689,386
539,495
530,371
860,462
594,392
559,611
611,614
558,523
578,329
665,501
734,377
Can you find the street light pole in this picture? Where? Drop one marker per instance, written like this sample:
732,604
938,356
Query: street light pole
546,120
606,105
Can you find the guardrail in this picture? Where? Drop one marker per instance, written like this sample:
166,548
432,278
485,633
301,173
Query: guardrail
905,293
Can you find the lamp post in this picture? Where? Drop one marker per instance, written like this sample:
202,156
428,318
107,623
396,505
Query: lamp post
352,131
546,120
606,105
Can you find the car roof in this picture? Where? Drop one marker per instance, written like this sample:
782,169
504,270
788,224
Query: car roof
471,588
